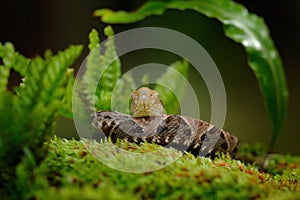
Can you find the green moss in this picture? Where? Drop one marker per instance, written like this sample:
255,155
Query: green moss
70,171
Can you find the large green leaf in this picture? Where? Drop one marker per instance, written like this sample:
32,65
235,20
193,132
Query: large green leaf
239,25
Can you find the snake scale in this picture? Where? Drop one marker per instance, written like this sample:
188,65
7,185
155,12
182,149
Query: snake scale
149,123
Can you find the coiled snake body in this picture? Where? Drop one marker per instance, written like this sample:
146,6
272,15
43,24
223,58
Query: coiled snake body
149,123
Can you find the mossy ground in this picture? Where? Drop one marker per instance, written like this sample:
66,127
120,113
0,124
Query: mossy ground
70,171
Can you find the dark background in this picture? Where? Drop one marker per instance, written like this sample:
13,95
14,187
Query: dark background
34,26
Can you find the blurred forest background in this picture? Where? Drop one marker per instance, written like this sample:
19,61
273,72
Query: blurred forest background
34,26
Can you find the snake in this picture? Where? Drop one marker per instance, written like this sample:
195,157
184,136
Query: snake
148,122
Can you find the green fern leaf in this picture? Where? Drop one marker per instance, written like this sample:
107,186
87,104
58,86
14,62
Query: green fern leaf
43,89
99,65
175,79
29,116
11,135
111,74
48,54
94,39
13,59
93,67
10,59
121,97
4,75
66,105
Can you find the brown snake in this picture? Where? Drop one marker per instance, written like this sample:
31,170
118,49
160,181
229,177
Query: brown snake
149,123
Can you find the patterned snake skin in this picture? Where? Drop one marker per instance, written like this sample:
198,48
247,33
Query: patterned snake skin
149,123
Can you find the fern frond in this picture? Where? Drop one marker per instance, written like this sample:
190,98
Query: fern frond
82,104
100,65
175,79
42,91
13,59
48,54
66,105
122,92
93,66
11,134
29,115
4,75
94,39
10,59
111,74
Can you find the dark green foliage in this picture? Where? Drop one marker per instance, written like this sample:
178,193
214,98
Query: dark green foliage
239,25
28,116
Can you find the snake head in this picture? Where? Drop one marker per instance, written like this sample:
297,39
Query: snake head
146,103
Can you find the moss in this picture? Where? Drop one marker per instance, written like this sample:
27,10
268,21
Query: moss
70,171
